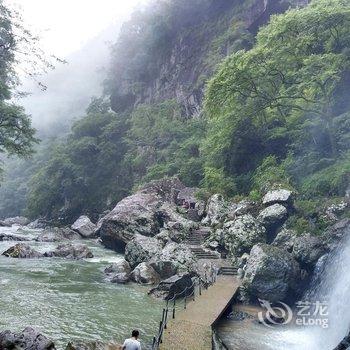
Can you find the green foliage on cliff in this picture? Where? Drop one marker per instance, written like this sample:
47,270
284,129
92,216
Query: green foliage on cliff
163,143
85,171
284,104
275,112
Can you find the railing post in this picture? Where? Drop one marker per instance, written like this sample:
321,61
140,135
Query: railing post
166,318
163,315
174,309
185,300
200,287
160,332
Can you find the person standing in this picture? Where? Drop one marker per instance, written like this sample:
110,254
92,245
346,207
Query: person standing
132,343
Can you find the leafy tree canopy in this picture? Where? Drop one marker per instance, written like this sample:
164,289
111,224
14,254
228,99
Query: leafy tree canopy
283,98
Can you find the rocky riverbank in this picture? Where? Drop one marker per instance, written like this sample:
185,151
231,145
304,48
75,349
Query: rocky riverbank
154,230
31,339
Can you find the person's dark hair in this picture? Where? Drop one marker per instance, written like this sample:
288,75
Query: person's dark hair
135,333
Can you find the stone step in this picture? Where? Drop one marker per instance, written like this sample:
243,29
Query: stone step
228,270
206,256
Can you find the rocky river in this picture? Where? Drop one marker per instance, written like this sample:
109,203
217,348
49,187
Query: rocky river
69,299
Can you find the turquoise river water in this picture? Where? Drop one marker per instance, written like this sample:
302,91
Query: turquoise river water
69,300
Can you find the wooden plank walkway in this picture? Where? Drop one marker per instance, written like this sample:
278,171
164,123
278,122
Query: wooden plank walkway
191,328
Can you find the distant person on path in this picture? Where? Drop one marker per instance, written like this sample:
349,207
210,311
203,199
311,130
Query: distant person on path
132,343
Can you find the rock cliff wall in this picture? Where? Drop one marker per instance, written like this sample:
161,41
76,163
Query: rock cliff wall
219,28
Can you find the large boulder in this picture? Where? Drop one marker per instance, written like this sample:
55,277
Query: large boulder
337,233
271,274
164,268
28,339
57,234
22,251
285,240
17,220
308,249
70,251
280,196
178,286
118,272
121,266
120,278
145,274
240,235
141,249
178,226
84,227
139,213
272,218
217,208
180,256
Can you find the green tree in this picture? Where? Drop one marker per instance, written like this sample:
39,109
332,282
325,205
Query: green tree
85,171
16,133
283,95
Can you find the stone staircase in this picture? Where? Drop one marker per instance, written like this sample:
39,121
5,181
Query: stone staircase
200,253
197,237
196,240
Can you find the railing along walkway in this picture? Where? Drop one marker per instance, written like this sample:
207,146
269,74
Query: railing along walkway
188,326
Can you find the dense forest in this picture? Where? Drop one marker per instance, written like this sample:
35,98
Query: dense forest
243,110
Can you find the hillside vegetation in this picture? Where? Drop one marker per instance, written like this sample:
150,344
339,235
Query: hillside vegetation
275,109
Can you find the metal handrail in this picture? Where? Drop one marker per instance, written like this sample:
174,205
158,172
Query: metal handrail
157,340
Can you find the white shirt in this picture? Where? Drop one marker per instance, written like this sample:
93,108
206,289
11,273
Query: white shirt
132,344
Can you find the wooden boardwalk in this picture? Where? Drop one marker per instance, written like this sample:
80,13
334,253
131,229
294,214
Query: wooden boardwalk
192,327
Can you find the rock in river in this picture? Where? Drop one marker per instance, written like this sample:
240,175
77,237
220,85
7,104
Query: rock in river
70,251
57,234
28,339
18,220
120,278
141,249
118,272
8,237
84,227
22,251
91,345
145,274
121,266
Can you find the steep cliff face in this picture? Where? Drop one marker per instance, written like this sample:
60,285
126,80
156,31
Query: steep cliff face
193,45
